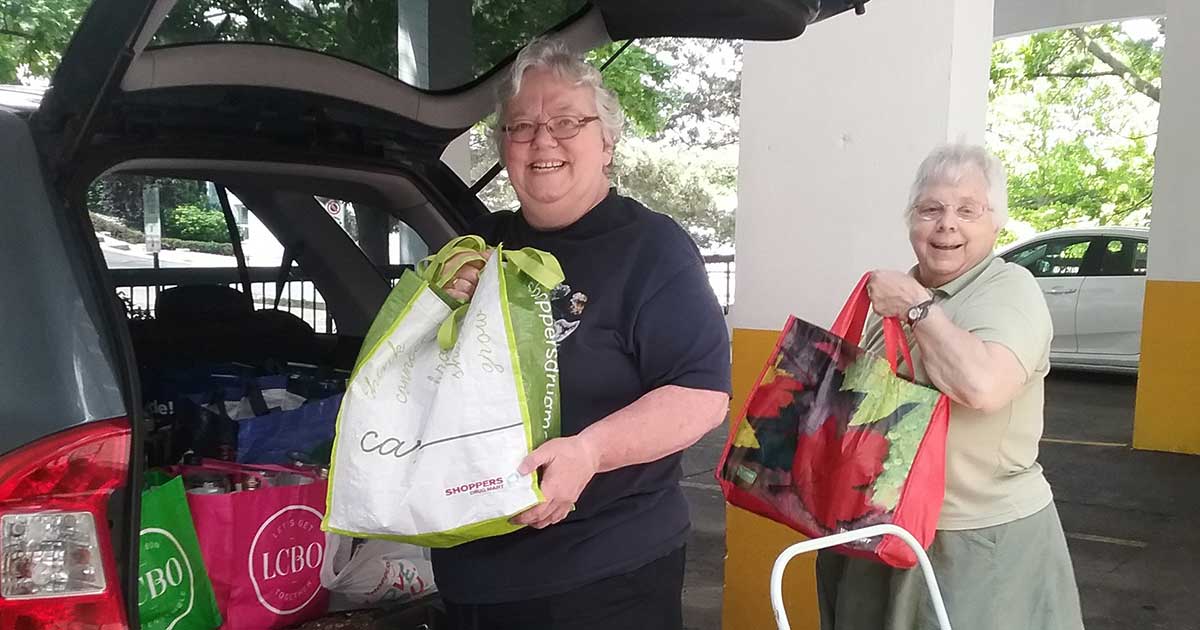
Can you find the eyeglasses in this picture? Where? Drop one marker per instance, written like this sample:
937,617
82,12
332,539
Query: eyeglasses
932,211
560,127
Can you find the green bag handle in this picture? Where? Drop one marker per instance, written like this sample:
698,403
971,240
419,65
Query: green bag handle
433,268
447,334
448,273
542,266
537,264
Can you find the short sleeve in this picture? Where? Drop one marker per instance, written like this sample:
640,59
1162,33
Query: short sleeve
1009,309
680,336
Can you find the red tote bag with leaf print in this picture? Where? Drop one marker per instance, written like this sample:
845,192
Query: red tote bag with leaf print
832,439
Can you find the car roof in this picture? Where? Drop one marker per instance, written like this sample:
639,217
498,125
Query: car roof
1107,230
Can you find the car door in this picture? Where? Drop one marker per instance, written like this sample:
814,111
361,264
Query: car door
1057,264
1108,319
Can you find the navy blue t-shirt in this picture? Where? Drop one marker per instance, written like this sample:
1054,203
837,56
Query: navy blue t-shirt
636,312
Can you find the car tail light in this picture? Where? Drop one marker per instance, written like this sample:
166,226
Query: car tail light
57,568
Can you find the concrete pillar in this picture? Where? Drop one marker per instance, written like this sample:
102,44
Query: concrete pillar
434,43
435,52
833,126
438,63
1166,417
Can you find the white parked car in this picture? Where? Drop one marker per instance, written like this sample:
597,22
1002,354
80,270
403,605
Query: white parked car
1094,280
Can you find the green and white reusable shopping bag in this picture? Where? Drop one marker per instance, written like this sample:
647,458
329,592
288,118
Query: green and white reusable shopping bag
446,400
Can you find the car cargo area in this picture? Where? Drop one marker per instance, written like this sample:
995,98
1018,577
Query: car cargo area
242,361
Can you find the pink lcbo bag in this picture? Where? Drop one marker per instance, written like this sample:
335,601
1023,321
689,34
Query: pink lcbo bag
263,546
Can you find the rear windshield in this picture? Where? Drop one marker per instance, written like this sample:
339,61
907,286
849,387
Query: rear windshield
429,44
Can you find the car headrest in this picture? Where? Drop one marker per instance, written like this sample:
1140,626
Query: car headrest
202,303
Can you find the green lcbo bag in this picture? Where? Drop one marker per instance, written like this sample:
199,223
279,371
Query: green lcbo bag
174,592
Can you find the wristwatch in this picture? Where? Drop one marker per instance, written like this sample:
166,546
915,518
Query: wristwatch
918,312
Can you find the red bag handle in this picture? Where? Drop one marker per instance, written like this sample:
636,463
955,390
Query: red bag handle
217,465
853,318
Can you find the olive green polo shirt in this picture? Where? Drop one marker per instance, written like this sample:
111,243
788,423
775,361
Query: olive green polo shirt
992,473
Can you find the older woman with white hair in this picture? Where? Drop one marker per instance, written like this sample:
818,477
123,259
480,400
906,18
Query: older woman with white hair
980,332
644,359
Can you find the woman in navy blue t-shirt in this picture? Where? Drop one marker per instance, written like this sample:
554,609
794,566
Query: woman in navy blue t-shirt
644,366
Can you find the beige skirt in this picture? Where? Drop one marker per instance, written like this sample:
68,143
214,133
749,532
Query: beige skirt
1015,576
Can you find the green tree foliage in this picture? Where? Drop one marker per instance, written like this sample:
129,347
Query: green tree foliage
640,81
33,34
195,223
683,186
1074,115
120,196
705,76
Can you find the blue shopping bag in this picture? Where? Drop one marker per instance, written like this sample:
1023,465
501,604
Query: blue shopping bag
275,437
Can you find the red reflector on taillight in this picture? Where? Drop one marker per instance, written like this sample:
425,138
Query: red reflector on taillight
57,570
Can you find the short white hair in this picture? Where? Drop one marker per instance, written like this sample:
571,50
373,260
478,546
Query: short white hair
949,163
552,54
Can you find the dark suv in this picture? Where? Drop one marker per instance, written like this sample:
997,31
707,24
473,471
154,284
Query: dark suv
293,111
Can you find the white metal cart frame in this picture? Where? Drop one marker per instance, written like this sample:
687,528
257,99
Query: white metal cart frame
825,542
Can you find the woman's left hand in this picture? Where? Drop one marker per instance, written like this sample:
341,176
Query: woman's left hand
567,465
893,293
462,286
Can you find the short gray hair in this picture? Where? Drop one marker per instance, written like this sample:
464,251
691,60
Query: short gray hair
553,54
948,164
